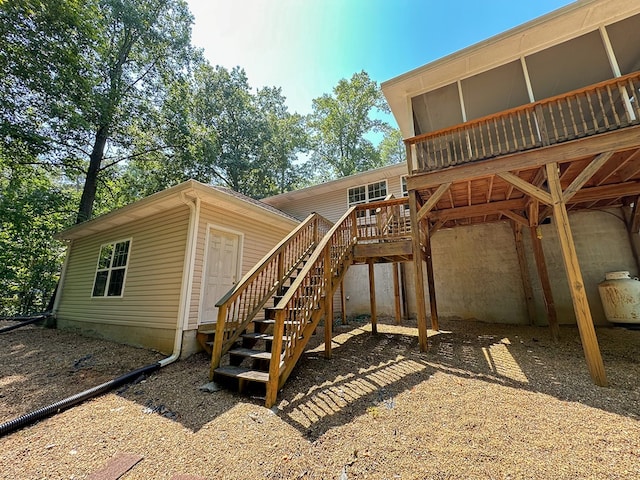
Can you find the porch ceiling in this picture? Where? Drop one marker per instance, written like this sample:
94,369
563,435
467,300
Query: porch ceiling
487,191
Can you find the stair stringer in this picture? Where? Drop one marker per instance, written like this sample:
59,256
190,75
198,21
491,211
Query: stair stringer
311,327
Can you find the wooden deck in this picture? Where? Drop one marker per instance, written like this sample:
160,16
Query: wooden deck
580,150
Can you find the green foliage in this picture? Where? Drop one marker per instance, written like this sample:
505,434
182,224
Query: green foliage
392,149
33,207
341,122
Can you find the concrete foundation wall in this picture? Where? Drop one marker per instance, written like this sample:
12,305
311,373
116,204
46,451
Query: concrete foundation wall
477,274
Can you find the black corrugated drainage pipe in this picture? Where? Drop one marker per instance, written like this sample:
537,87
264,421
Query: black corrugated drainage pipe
25,321
69,402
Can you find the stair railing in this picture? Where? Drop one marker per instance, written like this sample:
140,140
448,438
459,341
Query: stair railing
246,299
304,302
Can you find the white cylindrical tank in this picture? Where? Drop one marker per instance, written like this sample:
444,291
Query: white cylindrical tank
620,295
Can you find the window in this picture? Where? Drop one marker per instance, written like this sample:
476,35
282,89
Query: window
403,186
367,193
111,269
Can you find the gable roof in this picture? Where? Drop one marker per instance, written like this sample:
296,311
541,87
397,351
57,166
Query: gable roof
342,183
175,196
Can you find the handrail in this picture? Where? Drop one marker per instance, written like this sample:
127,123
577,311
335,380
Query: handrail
305,295
245,300
597,108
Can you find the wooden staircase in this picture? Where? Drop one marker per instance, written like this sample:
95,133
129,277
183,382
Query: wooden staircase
265,322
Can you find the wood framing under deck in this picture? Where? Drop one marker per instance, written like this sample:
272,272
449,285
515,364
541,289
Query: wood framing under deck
492,175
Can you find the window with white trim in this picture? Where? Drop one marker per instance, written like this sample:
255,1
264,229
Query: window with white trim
370,192
403,186
111,269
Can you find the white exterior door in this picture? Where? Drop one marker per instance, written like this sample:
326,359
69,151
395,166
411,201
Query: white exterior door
221,271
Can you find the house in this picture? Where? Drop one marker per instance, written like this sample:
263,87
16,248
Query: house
520,191
142,273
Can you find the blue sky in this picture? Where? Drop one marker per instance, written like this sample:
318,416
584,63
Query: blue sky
306,46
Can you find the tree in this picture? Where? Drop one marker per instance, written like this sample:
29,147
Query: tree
341,122
89,74
391,148
287,137
33,206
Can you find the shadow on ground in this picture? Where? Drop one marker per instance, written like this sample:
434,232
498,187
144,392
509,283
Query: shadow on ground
365,374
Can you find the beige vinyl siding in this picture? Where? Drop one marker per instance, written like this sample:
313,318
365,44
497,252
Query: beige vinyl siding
259,237
333,204
148,310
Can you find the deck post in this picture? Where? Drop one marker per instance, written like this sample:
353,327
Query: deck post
543,275
343,303
396,292
218,340
524,272
418,275
430,277
576,283
274,364
328,306
372,298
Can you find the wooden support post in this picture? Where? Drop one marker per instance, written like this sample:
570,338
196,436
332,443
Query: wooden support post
417,267
430,277
372,298
576,283
343,303
403,292
524,272
274,364
328,306
396,292
543,275
218,340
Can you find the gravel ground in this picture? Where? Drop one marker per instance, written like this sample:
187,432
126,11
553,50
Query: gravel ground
486,401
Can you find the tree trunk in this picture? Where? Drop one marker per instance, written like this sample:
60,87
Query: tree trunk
91,182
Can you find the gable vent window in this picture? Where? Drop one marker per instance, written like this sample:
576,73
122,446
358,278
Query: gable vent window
112,269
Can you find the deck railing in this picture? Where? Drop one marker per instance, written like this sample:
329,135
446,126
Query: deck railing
246,299
305,301
599,108
383,220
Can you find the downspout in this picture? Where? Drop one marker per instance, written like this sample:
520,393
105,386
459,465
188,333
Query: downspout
187,278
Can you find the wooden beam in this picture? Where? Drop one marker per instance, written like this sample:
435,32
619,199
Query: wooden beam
533,212
524,272
584,176
543,275
631,167
328,308
477,210
396,292
417,271
372,298
433,200
403,291
634,224
519,219
603,192
618,140
430,278
343,303
525,187
576,283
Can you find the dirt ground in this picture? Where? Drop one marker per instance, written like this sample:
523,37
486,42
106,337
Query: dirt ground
486,401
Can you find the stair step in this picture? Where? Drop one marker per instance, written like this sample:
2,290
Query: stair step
249,353
244,373
260,336
270,321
